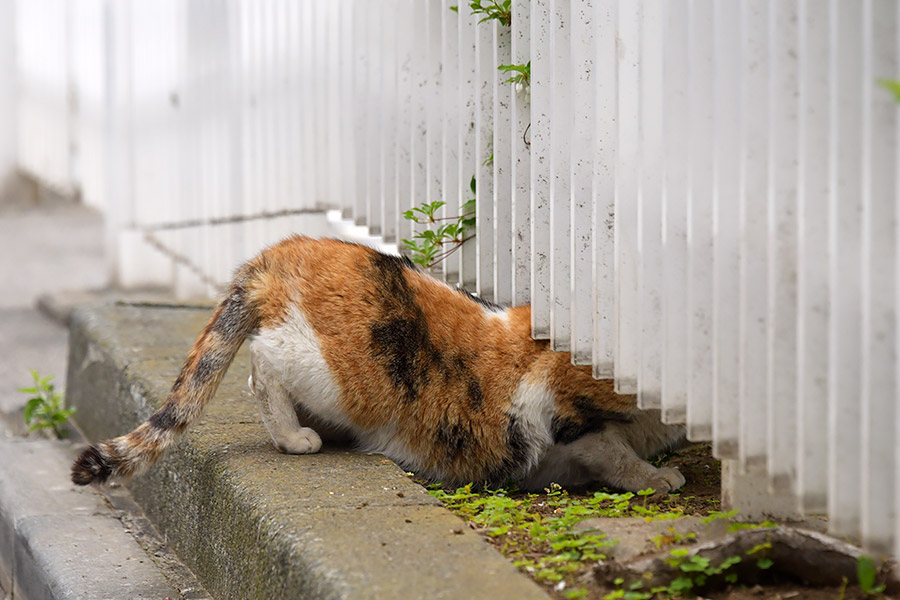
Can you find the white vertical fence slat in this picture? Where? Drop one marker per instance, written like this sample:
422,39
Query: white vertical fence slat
432,101
677,132
626,194
374,182
783,151
649,206
405,94
452,185
418,108
895,76
560,133
468,161
604,186
726,235
485,83
879,380
520,158
501,167
541,296
752,226
581,174
699,199
812,271
896,334
844,210
700,223
362,105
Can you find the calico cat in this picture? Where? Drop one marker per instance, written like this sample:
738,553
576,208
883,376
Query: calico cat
349,342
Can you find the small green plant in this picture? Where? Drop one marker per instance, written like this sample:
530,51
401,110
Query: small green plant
493,9
45,408
866,571
695,570
545,535
521,75
431,246
892,86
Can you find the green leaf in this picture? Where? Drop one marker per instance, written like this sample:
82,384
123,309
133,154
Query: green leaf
455,9
892,86
472,185
30,407
865,573
764,563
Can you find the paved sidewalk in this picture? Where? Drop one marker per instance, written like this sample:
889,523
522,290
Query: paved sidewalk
57,541
44,248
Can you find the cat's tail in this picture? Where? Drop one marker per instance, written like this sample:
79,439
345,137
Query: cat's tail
236,317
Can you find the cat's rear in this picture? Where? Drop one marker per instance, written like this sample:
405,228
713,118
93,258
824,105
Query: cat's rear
362,344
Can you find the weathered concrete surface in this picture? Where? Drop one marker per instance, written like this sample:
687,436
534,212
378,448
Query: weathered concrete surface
57,541
61,542
253,523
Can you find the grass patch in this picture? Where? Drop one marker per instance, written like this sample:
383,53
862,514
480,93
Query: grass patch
544,534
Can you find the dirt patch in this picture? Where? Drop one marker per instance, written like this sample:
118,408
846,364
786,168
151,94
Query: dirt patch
567,540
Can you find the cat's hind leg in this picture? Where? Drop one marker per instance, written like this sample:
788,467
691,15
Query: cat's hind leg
279,415
604,456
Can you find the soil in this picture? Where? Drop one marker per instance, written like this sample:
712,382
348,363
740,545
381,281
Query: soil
698,498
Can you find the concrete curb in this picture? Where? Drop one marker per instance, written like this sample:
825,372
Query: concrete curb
253,523
62,542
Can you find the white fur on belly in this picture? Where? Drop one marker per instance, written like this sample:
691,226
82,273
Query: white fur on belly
294,354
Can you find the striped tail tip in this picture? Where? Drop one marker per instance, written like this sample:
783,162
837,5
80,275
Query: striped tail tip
91,467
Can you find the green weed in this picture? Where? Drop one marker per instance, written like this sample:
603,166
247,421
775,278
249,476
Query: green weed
492,10
45,408
866,571
541,533
444,235
521,75
892,86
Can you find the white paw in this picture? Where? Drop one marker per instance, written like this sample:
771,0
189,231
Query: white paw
304,441
665,480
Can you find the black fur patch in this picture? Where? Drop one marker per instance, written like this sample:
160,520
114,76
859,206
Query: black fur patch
484,303
400,336
454,438
164,419
207,367
91,467
232,320
517,450
476,396
404,342
590,419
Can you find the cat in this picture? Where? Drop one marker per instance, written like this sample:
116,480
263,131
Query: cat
347,342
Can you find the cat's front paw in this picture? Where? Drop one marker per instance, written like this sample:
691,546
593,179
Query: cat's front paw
304,441
665,480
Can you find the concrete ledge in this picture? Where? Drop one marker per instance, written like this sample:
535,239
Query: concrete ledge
253,523
59,542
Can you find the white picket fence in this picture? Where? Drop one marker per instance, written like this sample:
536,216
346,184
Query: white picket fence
697,197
